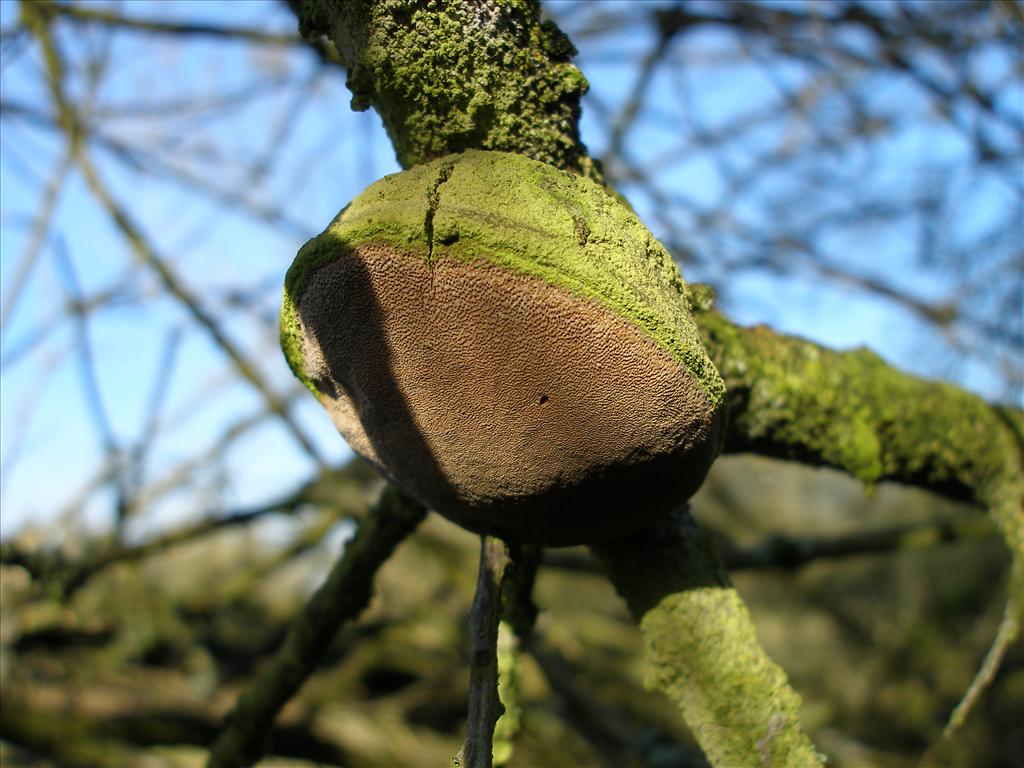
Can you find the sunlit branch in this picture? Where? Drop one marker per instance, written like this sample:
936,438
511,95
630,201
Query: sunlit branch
484,705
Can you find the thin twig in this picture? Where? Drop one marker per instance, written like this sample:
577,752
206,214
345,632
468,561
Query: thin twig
484,705
71,575
40,228
95,15
141,159
91,388
174,286
158,395
1009,628
518,615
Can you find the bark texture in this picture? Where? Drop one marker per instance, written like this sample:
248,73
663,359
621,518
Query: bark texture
447,75
485,705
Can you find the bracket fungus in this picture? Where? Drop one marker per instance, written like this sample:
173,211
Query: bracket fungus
508,344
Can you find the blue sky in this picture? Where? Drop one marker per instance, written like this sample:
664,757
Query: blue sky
49,443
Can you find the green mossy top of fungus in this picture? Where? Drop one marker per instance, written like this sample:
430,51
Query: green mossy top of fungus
525,216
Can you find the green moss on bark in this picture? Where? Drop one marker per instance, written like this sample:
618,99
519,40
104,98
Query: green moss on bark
448,75
793,399
702,650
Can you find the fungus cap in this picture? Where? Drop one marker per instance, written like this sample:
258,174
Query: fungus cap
510,345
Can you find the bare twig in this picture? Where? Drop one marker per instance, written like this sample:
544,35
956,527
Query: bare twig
484,705
157,397
90,380
71,575
37,19
88,14
40,227
174,286
1009,628
95,15
141,159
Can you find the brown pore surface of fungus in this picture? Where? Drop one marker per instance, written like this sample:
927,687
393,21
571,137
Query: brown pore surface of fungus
507,402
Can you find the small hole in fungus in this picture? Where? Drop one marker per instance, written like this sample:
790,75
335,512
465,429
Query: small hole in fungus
543,399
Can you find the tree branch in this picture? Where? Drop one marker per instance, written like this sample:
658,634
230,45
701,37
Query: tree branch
702,650
789,398
468,76
92,14
518,615
491,76
484,617
793,399
342,596
68,576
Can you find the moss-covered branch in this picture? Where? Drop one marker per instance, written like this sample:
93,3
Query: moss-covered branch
447,76
702,650
450,76
343,596
793,399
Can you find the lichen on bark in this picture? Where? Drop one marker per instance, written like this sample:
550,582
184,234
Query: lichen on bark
793,399
701,648
447,75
